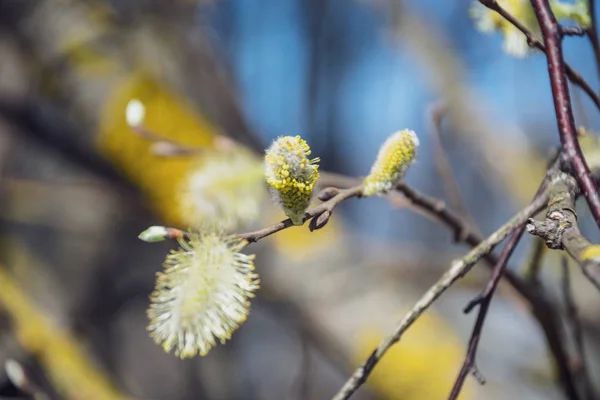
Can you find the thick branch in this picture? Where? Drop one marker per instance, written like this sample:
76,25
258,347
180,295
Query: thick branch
560,229
458,269
572,154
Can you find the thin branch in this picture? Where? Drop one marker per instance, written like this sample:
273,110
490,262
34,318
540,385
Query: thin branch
163,146
574,76
573,30
592,33
484,300
541,306
301,383
571,153
575,324
560,229
319,216
437,113
322,212
534,265
458,269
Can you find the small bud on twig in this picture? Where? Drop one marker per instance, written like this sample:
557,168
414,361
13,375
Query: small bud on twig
328,193
154,234
320,221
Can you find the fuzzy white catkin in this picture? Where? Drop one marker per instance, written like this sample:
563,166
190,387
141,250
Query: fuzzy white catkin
202,295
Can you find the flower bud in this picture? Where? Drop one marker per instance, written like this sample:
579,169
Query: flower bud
154,234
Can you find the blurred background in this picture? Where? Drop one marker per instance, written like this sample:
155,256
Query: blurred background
77,186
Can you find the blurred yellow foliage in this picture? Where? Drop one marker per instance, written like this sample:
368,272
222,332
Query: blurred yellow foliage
299,243
423,365
158,177
66,363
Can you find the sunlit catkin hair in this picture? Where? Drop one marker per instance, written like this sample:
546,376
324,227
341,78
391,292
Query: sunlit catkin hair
202,295
515,42
395,156
224,188
291,175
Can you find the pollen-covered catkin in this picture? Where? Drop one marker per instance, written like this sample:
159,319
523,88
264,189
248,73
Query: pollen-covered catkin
395,156
291,175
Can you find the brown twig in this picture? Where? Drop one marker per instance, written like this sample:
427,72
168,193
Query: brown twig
484,300
576,329
319,214
560,229
164,146
541,306
437,113
592,34
571,154
574,76
458,269
534,264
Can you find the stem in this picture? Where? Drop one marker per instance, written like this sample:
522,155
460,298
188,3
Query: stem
572,155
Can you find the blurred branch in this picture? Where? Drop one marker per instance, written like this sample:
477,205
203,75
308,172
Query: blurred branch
45,125
553,34
437,113
560,229
576,329
457,270
574,76
535,262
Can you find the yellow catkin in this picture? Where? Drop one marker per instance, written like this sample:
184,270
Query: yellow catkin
291,175
395,156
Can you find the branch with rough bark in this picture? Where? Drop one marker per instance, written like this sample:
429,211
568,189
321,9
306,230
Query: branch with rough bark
553,34
560,229
457,270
